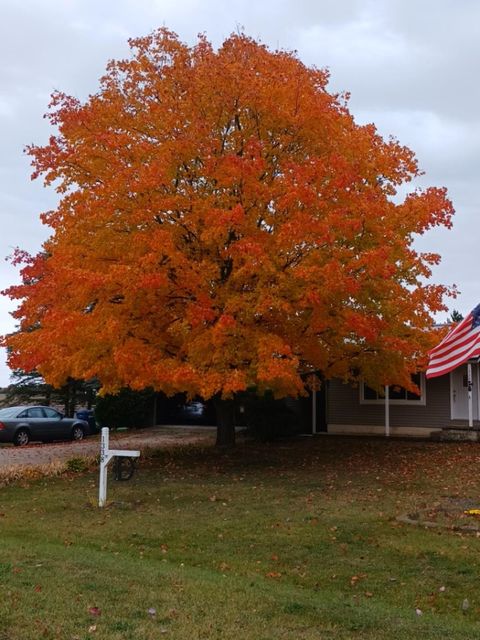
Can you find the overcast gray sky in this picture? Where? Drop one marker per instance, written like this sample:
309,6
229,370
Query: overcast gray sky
411,67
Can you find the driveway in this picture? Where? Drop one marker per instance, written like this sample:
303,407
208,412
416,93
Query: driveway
156,437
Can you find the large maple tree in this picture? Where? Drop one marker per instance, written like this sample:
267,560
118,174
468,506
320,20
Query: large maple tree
224,223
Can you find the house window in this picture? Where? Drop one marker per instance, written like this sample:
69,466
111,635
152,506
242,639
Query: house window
397,394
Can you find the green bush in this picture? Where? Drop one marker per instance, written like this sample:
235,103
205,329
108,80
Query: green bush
125,410
268,418
76,464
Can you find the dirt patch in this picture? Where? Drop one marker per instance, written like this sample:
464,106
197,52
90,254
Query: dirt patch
451,513
156,437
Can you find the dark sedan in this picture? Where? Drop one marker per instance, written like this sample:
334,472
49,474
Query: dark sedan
22,425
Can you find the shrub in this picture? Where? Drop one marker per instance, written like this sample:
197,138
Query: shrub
268,418
126,409
77,464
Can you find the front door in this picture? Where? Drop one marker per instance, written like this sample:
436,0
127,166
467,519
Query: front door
459,393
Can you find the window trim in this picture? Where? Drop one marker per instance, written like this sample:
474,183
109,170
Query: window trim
421,402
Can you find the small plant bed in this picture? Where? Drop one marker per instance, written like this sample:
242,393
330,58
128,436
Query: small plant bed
453,513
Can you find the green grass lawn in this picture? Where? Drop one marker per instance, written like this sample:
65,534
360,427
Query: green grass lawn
291,540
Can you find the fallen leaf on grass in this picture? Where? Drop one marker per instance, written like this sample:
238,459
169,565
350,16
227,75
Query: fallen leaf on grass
273,574
92,628
94,611
355,579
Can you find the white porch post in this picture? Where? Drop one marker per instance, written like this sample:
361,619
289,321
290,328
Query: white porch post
477,369
387,411
470,399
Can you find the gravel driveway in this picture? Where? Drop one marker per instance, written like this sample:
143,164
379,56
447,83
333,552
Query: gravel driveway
157,437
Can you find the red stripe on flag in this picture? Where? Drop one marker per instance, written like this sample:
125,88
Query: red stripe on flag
455,346
458,346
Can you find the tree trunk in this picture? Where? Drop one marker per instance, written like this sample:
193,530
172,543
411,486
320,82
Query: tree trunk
66,399
89,397
225,422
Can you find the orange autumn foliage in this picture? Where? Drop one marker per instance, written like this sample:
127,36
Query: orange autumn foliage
224,223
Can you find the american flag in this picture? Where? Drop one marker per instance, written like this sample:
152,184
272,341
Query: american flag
459,345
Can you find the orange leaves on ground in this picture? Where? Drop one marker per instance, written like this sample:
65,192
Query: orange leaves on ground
354,580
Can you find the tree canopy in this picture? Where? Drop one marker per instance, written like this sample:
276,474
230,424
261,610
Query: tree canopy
224,223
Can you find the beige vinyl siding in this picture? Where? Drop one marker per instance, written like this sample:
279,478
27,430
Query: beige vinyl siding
344,408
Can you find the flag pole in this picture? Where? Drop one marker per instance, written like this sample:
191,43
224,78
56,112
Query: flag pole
477,386
470,400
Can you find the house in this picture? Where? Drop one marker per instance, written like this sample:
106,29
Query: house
340,408
441,404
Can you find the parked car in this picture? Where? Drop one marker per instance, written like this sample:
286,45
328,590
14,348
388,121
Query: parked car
88,416
22,425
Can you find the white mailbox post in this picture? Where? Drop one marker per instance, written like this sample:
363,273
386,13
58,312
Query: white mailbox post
106,455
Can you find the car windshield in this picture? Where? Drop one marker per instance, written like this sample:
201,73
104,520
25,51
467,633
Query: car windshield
10,412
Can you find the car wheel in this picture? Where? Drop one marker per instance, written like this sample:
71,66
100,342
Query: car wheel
77,433
21,438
